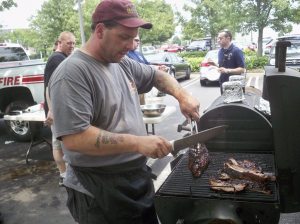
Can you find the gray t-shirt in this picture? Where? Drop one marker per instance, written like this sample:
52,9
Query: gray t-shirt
85,92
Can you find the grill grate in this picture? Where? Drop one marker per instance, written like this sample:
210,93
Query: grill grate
182,183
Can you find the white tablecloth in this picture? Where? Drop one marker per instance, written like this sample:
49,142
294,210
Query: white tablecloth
28,116
40,116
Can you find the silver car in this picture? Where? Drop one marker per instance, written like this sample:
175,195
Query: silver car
209,73
292,53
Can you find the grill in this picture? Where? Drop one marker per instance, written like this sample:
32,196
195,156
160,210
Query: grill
184,199
272,142
181,182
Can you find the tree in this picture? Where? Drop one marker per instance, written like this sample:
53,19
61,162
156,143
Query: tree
7,4
209,17
54,17
22,36
277,14
161,16
242,16
176,40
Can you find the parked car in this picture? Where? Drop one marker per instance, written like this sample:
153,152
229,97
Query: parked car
209,73
292,53
148,50
178,67
198,45
267,44
171,48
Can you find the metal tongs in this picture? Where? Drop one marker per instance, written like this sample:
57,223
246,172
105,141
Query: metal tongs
194,126
194,130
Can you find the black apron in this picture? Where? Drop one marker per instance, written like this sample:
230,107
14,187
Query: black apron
122,194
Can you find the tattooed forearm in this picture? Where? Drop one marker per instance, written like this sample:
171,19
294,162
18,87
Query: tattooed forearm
107,138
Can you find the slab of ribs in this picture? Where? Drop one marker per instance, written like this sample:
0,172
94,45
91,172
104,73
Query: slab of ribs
198,159
240,175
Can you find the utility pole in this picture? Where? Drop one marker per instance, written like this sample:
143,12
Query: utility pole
81,22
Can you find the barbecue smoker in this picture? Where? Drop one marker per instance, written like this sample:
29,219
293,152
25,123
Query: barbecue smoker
273,142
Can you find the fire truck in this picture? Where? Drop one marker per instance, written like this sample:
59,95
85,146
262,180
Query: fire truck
21,86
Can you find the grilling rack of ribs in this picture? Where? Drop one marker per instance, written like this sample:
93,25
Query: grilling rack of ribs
227,186
240,175
198,159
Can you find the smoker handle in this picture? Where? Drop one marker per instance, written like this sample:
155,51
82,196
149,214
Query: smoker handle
184,126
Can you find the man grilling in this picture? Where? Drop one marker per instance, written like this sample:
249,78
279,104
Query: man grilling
101,125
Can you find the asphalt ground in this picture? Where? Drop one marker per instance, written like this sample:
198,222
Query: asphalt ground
30,193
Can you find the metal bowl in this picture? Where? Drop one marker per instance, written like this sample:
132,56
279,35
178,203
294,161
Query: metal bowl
153,110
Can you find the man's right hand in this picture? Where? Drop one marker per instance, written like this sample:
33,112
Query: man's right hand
154,146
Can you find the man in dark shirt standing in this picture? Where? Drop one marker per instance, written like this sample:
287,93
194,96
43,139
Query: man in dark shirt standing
230,58
134,54
65,46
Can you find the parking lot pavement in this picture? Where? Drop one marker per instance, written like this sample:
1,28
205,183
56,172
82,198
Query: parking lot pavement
30,193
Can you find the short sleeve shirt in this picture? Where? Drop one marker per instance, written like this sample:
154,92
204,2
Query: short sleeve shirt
86,92
232,57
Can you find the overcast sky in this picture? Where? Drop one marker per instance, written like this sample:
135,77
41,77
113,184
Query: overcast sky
17,17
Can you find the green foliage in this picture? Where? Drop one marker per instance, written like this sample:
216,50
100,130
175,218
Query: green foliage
194,62
251,59
209,17
194,58
6,4
248,52
192,54
161,16
255,62
176,40
54,17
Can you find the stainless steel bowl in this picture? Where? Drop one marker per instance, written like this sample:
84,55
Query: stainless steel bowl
153,110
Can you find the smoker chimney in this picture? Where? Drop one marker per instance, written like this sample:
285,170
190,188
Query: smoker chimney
280,54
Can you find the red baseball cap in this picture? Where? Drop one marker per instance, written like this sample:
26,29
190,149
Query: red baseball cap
122,12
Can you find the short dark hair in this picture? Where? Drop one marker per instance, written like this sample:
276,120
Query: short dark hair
227,33
108,24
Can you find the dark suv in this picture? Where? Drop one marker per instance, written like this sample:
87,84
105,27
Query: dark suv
292,53
200,45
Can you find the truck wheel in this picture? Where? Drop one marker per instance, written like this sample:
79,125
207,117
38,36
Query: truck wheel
19,130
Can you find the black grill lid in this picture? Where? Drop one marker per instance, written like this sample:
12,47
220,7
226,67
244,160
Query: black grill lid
248,129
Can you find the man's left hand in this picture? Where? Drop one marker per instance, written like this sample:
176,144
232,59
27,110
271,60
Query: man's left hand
190,107
49,119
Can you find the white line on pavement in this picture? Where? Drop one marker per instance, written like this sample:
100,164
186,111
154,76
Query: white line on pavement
256,82
249,81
